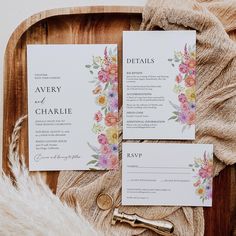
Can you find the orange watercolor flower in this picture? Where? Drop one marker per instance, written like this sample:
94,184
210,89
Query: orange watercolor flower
112,69
192,64
191,118
97,90
190,81
113,162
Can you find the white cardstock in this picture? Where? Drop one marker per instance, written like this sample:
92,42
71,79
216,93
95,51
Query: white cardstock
159,81
72,107
167,174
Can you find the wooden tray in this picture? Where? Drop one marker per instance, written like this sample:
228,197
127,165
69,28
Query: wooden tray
88,25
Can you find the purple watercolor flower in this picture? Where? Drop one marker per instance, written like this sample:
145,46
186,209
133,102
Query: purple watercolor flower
113,104
192,106
112,94
103,161
183,117
114,148
208,191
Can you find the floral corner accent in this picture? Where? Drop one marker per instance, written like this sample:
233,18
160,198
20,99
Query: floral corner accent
105,127
184,87
203,169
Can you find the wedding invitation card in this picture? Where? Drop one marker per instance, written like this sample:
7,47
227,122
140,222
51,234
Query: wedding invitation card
167,174
159,79
72,107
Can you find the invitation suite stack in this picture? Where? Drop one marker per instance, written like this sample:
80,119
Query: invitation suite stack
159,102
175,104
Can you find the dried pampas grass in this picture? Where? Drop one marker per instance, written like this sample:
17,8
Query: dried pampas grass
28,207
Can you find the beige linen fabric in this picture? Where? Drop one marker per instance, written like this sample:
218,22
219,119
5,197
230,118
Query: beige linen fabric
216,119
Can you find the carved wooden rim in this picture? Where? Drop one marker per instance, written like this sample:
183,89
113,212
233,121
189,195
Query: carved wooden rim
26,24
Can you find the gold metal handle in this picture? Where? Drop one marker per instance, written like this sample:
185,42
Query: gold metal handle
162,227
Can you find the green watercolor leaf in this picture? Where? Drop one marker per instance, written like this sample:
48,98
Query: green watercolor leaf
92,162
95,156
92,81
105,111
93,148
172,118
106,86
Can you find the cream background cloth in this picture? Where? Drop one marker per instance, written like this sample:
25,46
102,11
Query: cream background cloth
216,120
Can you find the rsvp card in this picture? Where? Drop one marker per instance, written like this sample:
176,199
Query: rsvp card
167,174
72,107
159,79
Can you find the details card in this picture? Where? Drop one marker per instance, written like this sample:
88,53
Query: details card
167,174
159,78
72,107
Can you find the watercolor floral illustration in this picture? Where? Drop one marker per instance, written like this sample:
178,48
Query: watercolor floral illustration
105,126
185,81
203,173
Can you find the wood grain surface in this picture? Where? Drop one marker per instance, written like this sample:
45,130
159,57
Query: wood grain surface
84,25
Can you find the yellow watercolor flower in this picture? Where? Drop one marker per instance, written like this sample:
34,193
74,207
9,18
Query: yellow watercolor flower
114,59
200,191
190,94
112,135
193,55
101,100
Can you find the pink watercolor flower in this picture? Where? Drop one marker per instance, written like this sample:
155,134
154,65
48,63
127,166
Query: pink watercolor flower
105,149
111,119
183,68
209,169
103,76
197,183
184,106
182,98
205,172
113,162
102,139
98,116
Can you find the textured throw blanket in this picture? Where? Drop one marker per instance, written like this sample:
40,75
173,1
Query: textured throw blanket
216,119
